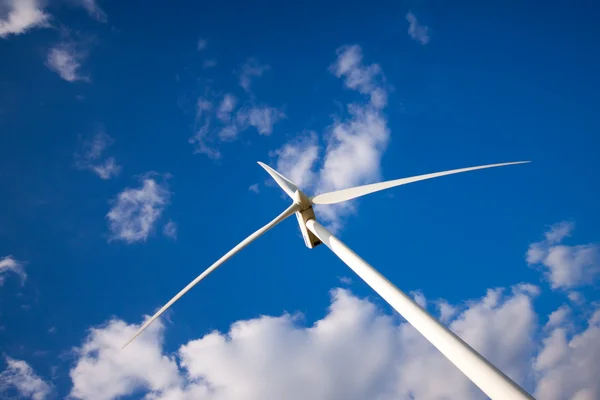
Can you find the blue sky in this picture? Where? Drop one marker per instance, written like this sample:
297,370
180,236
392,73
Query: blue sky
129,136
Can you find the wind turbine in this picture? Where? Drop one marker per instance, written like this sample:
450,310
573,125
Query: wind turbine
481,372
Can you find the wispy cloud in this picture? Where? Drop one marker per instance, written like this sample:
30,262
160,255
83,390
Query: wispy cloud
211,63
297,158
226,107
201,44
419,298
20,16
20,376
65,59
9,265
135,211
254,188
170,229
418,32
565,266
260,116
251,69
222,119
91,157
354,144
93,9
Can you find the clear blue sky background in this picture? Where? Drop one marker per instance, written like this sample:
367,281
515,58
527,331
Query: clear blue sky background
504,82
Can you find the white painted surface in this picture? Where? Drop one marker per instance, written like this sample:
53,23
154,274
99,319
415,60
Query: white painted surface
347,194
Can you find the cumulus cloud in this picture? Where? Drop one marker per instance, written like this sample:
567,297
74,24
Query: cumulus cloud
65,59
353,145
20,376
9,265
565,266
104,371
567,365
90,158
418,32
20,16
447,311
355,352
135,211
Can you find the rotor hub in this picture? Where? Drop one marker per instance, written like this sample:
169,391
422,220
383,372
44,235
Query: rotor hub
302,200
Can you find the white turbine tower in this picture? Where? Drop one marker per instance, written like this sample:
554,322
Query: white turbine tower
485,375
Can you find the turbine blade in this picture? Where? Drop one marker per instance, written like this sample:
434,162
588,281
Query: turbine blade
283,182
289,211
351,193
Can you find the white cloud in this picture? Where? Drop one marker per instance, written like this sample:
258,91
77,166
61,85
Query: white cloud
576,297
136,210
354,352
104,371
203,143
91,157
19,16
201,44
366,79
254,188
354,150
223,123
65,59
9,264
226,107
91,6
559,231
251,69
170,229
297,158
419,298
354,144
261,117
418,32
565,266
20,376
558,317
446,310
567,365
107,169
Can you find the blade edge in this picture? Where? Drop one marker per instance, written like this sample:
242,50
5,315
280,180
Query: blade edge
342,195
284,183
285,214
